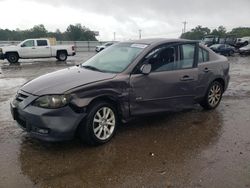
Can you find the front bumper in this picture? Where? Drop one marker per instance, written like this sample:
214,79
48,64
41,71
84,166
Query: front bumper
2,56
47,124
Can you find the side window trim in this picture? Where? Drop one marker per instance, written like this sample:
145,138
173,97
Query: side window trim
177,46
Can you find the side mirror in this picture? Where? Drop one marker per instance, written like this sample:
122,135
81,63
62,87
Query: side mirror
146,69
23,45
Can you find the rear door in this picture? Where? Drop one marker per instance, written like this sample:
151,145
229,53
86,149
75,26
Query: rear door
43,48
206,71
171,84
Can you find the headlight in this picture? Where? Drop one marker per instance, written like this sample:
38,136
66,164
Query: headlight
52,101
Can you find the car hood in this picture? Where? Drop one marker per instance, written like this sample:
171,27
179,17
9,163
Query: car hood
63,80
7,48
100,46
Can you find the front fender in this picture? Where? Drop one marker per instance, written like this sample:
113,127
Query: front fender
121,99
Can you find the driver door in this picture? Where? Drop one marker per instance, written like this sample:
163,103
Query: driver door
171,83
28,49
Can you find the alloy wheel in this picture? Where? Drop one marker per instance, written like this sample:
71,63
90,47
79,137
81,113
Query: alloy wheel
214,95
104,123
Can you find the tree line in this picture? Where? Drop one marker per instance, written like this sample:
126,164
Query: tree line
75,32
199,32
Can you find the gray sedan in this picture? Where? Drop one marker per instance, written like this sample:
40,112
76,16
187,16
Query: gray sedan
128,79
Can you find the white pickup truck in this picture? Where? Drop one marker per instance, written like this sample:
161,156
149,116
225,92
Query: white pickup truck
36,48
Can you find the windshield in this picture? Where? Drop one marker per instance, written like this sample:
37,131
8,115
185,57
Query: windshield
115,59
216,46
208,39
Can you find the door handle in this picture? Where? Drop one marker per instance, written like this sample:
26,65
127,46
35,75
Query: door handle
206,70
33,48
186,78
47,47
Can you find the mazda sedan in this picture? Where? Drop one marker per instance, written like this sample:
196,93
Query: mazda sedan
223,49
126,80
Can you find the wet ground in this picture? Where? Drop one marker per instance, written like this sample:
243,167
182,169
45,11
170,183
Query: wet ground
194,148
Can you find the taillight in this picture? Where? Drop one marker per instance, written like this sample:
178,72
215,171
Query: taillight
73,48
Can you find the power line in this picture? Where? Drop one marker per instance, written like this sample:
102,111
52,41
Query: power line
140,33
185,25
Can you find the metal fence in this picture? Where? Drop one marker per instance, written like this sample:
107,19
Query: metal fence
81,46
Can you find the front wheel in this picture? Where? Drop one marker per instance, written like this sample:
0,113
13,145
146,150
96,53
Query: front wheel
213,96
100,124
231,52
12,57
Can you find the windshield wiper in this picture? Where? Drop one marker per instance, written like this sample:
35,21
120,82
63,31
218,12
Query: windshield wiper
91,68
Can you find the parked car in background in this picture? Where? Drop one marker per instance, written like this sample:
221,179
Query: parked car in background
210,40
128,79
228,39
36,48
223,49
245,50
102,47
241,42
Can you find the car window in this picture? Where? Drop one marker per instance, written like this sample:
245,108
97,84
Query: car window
200,57
203,55
42,43
29,43
162,59
187,56
108,44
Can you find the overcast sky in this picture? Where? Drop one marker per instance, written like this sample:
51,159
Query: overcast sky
156,18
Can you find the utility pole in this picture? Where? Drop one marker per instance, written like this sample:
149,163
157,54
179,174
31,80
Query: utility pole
114,36
139,33
185,25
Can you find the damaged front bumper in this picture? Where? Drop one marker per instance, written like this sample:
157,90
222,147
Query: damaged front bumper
45,124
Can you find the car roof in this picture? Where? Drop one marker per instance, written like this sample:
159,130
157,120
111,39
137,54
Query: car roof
158,40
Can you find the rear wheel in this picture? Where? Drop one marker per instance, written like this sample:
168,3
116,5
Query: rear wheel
62,56
12,57
213,96
100,124
231,52
245,43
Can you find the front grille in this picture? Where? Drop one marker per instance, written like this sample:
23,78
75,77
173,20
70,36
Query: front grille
20,97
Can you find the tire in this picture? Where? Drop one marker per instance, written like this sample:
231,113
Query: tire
99,128
231,52
213,96
62,56
12,57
